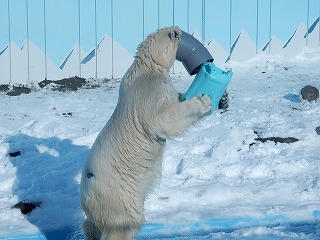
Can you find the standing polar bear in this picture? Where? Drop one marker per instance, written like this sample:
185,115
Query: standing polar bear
125,160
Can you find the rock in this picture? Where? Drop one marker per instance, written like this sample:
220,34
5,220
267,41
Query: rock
15,154
278,139
68,114
26,207
318,130
310,93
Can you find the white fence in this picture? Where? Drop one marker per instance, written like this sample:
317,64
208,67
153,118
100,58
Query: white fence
111,28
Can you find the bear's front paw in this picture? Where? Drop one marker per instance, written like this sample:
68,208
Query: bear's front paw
205,105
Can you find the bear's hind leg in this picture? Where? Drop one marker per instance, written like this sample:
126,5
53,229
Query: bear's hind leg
91,231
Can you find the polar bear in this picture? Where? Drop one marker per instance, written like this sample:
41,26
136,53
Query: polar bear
125,160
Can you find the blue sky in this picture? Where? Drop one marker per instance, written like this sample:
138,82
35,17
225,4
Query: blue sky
62,21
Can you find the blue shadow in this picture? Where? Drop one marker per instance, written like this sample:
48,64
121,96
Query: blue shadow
45,174
205,230
292,97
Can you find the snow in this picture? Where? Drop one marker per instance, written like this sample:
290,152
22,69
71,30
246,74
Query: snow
216,175
197,35
19,65
71,64
5,61
274,46
104,60
219,54
296,42
313,34
243,48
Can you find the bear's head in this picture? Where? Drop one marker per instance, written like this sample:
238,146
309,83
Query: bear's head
160,48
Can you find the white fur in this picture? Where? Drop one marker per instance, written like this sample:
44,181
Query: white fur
125,160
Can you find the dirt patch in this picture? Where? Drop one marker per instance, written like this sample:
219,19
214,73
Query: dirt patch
66,84
63,85
16,91
278,139
4,87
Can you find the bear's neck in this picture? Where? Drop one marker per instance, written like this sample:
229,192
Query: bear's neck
150,67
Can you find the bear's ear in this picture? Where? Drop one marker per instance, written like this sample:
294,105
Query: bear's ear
174,35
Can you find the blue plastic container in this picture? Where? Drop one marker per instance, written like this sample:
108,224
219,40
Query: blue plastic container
211,81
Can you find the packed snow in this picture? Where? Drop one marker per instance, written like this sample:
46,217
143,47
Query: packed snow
216,172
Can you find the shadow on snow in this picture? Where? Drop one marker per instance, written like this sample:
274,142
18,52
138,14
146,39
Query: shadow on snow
48,173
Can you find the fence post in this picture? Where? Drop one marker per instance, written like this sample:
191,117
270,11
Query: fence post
112,37
79,36
308,11
158,14
27,43
270,25
173,70
230,28
203,21
142,20
96,36
9,45
188,18
45,39
257,27
173,13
